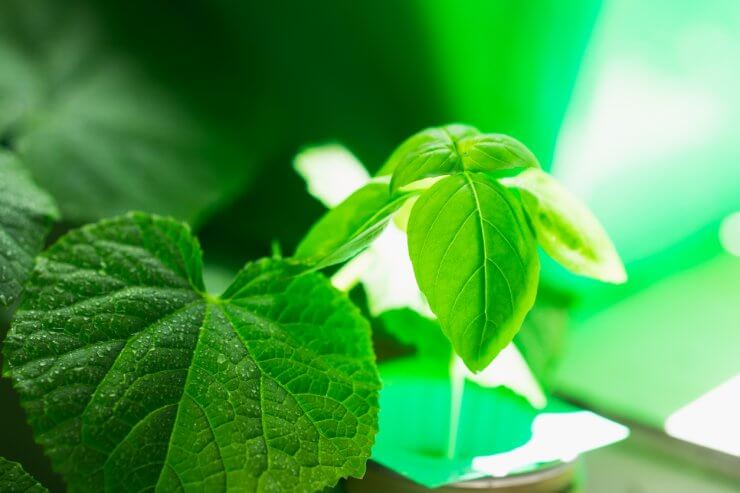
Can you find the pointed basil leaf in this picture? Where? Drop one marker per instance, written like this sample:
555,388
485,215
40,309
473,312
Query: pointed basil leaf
350,227
493,152
134,379
431,152
476,262
14,479
97,131
566,229
26,215
453,149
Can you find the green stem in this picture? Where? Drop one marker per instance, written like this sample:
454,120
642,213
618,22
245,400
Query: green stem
457,386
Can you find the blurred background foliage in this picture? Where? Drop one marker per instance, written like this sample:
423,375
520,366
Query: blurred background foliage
196,108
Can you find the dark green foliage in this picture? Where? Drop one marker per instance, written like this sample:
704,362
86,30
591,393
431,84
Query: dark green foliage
134,378
13,479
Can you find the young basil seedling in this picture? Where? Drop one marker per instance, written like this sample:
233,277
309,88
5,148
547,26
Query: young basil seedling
472,232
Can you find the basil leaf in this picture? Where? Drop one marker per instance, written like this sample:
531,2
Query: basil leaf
453,149
494,152
26,216
14,479
431,152
566,229
97,132
350,227
475,261
134,379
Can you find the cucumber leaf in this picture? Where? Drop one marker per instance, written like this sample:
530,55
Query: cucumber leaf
26,216
452,149
566,228
135,379
96,131
476,261
14,479
350,227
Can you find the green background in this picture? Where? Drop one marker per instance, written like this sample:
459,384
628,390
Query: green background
633,105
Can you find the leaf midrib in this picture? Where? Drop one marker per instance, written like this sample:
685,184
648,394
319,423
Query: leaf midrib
485,262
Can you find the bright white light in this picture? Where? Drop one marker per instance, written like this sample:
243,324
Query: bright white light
555,437
349,275
655,109
510,370
711,420
637,116
331,172
389,278
729,234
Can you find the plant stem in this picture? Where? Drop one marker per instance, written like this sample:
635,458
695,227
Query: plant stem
457,386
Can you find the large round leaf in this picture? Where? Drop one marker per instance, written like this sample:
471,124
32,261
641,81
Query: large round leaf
14,479
26,215
133,378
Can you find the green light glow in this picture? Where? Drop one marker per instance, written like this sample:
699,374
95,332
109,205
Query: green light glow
508,66
499,432
729,234
650,139
654,352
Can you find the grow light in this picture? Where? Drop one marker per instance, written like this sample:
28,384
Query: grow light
650,133
710,420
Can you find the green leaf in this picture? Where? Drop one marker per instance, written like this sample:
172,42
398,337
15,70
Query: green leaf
26,216
14,479
350,227
431,152
476,262
413,329
566,229
96,131
494,152
453,149
134,379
